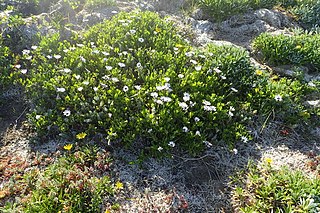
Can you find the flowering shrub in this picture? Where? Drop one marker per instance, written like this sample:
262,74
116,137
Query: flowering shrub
297,50
134,80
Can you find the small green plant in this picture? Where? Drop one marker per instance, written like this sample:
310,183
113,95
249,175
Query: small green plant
308,13
99,3
297,50
77,182
221,10
265,189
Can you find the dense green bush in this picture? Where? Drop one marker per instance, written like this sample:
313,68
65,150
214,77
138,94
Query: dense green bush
221,10
134,79
308,13
296,50
267,189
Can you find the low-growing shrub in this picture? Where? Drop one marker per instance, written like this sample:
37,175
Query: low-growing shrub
221,10
296,50
134,79
308,13
79,181
266,189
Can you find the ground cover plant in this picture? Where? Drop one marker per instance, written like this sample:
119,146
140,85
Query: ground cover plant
296,50
265,189
221,10
79,181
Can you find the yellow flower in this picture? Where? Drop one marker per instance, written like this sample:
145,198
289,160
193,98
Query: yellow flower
119,185
158,30
298,47
259,72
268,160
68,147
81,135
179,45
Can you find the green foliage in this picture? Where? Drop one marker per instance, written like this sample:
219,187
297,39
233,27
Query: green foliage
99,3
221,10
267,189
133,80
128,78
77,182
308,13
301,49
6,69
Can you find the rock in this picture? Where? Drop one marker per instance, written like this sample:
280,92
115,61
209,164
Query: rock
199,14
273,18
204,26
169,5
87,18
64,11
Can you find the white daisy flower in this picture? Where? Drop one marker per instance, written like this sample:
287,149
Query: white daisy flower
160,148
24,71
125,89
184,106
57,56
209,108
193,61
185,129
121,65
137,87
196,119
244,139
109,68
80,89
67,112
165,99
186,96
141,40
278,97
114,79
167,79
159,101
180,76
172,144
61,89
154,94
198,68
